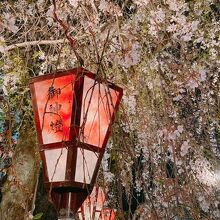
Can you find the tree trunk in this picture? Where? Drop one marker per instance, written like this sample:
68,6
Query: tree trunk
18,191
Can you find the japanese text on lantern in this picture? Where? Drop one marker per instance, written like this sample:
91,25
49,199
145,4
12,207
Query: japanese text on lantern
55,100
57,125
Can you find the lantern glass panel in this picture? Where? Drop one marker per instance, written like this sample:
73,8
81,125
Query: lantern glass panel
54,99
85,165
56,164
98,104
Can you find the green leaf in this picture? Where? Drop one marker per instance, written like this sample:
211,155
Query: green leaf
38,216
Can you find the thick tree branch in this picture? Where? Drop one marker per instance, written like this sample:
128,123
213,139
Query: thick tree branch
33,43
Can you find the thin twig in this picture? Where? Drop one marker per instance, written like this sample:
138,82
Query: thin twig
72,41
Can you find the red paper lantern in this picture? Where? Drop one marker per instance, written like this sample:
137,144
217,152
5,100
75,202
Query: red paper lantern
74,111
94,206
107,214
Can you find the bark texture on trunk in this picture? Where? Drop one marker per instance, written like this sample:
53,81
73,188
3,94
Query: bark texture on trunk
22,175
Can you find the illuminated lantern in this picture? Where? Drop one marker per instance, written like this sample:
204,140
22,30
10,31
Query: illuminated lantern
73,111
93,205
107,214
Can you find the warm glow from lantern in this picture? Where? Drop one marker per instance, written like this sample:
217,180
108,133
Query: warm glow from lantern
98,105
54,102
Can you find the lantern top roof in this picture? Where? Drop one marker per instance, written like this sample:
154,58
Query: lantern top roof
76,71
